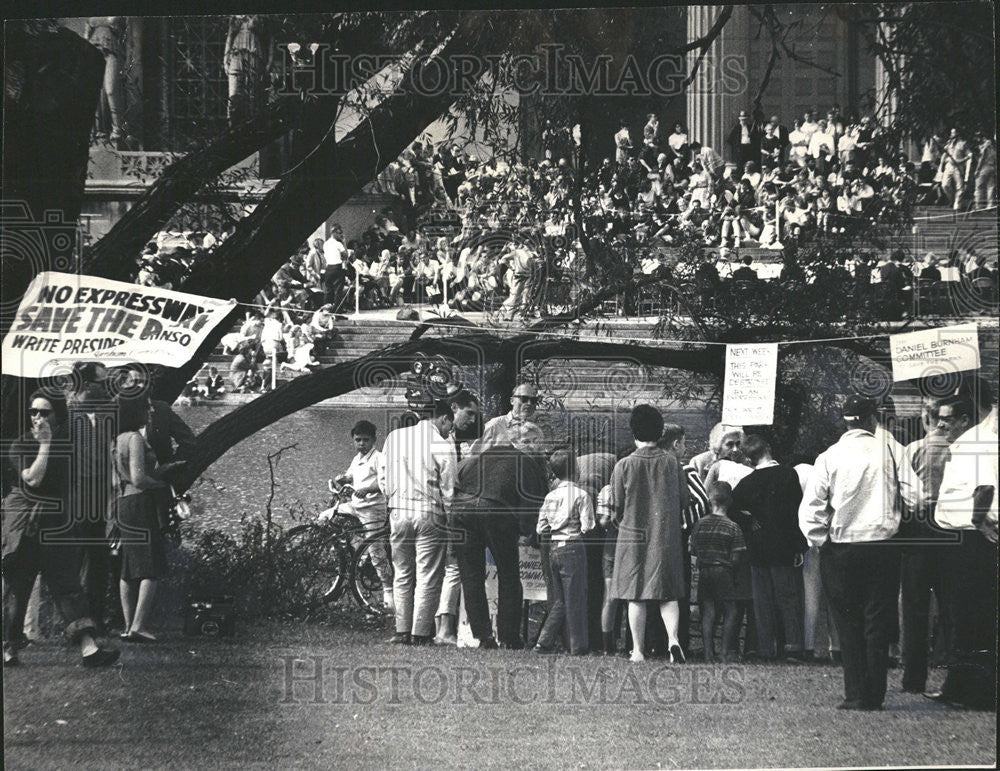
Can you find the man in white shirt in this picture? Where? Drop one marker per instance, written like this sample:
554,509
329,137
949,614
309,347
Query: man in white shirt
923,566
821,146
809,126
967,503
335,256
417,475
623,143
798,142
334,250
956,163
851,510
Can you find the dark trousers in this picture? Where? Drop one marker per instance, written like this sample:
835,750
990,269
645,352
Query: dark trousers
684,628
778,608
971,570
59,565
333,285
544,550
862,583
95,569
569,596
594,544
499,532
922,570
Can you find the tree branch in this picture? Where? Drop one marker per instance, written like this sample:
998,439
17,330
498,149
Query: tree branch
381,366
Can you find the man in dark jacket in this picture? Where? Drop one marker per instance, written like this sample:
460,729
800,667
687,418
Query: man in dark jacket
92,427
770,495
497,496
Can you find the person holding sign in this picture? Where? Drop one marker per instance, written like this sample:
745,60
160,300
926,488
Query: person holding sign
851,510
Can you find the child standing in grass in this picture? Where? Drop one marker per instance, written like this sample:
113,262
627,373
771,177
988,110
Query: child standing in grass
717,543
367,499
566,514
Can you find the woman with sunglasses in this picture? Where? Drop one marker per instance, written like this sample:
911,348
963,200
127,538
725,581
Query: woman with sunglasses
39,535
139,514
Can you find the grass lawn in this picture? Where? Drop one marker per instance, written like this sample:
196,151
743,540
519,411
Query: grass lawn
194,702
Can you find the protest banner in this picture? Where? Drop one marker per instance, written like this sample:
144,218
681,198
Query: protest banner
934,352
748,395
65,318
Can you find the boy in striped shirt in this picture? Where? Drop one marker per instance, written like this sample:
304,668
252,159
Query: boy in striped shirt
717,543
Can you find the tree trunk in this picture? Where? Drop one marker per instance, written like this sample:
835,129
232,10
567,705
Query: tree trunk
52,80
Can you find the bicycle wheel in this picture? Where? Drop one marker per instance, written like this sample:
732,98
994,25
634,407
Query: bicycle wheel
314,567
366,584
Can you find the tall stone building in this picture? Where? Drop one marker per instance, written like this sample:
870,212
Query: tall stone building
736,64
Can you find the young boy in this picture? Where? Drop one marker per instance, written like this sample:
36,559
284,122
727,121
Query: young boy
566,514
717,542
214,386
367,499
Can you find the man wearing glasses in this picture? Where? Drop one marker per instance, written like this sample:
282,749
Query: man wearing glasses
501,429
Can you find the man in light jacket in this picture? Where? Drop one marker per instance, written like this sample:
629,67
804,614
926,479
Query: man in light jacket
852,510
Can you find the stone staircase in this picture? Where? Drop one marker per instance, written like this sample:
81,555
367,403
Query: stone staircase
940,230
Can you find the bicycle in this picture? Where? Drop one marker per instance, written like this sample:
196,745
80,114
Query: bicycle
335,553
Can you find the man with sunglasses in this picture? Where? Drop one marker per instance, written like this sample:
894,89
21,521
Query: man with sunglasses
501,429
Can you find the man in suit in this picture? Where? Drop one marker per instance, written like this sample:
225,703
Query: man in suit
744,140
781,132
892,282
745,272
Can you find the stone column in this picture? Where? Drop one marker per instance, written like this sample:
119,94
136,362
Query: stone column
885,100
721,88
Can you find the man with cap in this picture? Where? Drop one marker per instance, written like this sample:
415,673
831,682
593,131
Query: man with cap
851,510
499,430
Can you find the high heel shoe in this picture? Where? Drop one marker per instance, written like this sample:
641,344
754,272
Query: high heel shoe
677,655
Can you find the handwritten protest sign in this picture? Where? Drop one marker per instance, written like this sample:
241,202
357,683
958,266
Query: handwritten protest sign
532,580
934,352
65,318
748,397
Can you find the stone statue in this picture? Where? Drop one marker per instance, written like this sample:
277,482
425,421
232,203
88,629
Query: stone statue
107,34
244,62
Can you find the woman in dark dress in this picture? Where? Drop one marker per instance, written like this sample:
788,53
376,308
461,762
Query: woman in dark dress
35,520
140,517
